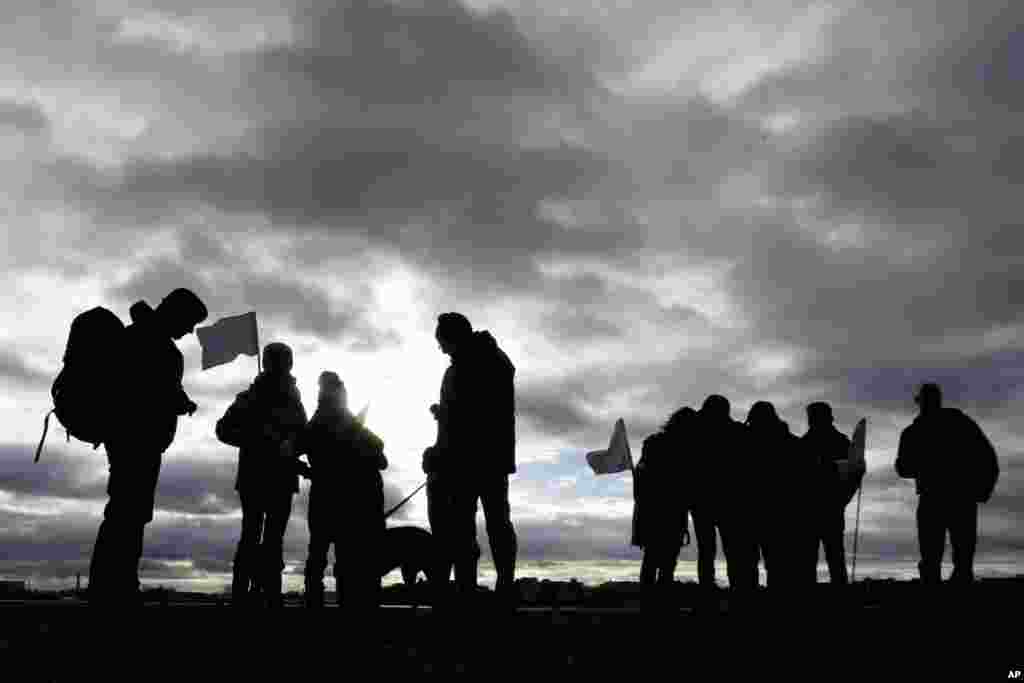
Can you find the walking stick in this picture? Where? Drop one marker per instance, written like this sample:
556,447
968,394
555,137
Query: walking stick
856,534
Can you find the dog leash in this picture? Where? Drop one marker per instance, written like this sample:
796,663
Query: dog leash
404,501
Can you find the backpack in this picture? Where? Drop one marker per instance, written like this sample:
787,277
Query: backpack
81,388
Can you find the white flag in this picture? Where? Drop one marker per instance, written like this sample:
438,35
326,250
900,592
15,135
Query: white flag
617,457
224,340
361,417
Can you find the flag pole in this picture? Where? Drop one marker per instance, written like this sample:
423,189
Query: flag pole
856,534
256,333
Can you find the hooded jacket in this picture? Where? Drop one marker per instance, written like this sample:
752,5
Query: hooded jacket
476,421
261,418
948,455
150,371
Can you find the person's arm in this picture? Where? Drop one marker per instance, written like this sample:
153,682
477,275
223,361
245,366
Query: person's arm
906,455
231,427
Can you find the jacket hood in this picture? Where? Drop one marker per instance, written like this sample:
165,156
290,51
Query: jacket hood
141,312
485,346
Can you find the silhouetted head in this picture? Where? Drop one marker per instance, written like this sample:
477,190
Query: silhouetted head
929,397
679,419
819,414
762,414
332,389
181,311
453,331
277,359
715,407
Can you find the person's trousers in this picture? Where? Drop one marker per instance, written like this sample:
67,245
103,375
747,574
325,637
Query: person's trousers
259,558
831,529
113,568
659,562
491,491
935,518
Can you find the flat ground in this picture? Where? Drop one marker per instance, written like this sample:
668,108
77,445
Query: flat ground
879,630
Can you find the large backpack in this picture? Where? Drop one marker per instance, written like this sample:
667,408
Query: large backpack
83,388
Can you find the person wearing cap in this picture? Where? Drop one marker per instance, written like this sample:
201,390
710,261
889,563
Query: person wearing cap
263,423
823,444
954,467
150,373
346,499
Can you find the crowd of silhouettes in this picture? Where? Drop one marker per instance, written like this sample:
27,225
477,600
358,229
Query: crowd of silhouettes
772,497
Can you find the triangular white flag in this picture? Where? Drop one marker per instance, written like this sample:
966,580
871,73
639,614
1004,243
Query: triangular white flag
852,469
617,457
224,340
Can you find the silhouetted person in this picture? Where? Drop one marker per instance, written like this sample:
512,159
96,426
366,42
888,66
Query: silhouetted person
826,444
722,496
346,499
955,468
476,444
263,423
782,475
150,373
662,492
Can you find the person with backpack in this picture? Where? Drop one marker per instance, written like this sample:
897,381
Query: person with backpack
661,492
263,423
955,468
825,446
148,380
346,499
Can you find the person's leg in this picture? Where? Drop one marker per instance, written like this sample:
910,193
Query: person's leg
244,571
963,537
316,556
704,530
667,562
279,511
648,565
439,515
463,530
931,537
500,531
119,542
835,552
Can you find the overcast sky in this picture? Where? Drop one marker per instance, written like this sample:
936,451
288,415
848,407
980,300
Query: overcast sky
645,202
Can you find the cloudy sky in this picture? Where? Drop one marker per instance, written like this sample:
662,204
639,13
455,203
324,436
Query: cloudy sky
645,202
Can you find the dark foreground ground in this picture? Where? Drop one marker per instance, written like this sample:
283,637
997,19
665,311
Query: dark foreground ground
875,630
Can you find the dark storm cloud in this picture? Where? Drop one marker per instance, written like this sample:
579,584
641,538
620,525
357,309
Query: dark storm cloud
55,475
300,306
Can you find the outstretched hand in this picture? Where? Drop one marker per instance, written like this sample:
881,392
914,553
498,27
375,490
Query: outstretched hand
190,407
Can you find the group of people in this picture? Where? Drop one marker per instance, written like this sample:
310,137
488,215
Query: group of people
769,493
469,463
763,489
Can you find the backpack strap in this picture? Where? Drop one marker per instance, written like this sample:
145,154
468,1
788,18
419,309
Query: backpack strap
42,439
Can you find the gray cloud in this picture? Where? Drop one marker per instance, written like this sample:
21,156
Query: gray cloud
13,368
24,118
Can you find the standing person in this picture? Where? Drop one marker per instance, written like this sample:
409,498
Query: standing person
476,444
263,423
722,496
826,444
782,476
955,468
662,491
346,499
151,371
